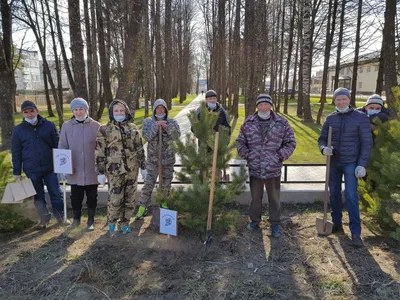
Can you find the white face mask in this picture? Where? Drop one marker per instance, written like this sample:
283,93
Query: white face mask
342,110
119,118
83,119
371,112
161,116
264,115
31,121
212,105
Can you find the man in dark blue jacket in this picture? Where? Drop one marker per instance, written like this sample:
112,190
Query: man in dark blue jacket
31,147
350,151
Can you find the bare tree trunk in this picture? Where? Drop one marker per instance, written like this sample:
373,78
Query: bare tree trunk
92,69
307,59
104,60
289,55
296,60
379,79
56,59
47,95
168,53
62,47
357,51
339,46
127,80
158,45
7,81
330,31
78,62
236,61
301,85
280,85
390,56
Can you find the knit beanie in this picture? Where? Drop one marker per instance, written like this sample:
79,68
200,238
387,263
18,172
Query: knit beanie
211,93
27,105
79,102
374,99
263,98
341,92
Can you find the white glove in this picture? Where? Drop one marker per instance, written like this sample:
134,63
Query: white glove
327,151
62,176
143,172
101,179
17,177
360,172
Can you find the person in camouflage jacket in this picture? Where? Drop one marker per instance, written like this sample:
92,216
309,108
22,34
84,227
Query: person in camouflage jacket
119,155
170,130
265,141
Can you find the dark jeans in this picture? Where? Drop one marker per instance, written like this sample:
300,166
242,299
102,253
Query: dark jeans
273,187
78,193
351,195
49,179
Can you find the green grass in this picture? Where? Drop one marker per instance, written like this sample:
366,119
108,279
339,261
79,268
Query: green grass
306,135
189,98
139,114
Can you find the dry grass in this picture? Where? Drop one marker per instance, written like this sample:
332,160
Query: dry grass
55,264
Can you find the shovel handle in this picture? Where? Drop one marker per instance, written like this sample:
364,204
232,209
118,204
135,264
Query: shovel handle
160,157
212,185
328,167
65,201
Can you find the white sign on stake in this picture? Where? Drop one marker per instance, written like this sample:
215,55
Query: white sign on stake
168,222
62,161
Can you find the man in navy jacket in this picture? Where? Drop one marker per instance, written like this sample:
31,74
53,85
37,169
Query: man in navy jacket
31,147
350,151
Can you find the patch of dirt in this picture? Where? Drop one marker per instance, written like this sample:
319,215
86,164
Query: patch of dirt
56,264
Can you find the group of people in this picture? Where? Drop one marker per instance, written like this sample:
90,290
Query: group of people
266,140
114,152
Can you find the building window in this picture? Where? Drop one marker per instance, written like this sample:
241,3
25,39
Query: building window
341,71
360,84
376,68
368,69
361,69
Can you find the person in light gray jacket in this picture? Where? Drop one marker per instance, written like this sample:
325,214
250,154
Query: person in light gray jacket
79,135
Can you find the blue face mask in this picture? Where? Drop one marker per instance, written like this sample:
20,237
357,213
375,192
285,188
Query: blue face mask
371,112
264,115
161,116
342,110
83,119
31,121
212,105
119,118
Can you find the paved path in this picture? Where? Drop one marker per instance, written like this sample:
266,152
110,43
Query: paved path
301,173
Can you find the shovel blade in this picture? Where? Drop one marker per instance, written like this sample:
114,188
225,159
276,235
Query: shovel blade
323,228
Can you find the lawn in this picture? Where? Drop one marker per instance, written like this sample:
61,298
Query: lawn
189,98
139,113
306,135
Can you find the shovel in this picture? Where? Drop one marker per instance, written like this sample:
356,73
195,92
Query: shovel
208,240
155,220
324,227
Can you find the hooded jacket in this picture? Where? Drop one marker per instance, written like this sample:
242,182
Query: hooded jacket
31,146
119,148
151,135
265,155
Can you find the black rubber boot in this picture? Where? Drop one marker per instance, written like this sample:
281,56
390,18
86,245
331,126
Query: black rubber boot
90,223
77,220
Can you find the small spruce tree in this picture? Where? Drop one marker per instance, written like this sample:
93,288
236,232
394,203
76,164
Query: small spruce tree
191,201
379,195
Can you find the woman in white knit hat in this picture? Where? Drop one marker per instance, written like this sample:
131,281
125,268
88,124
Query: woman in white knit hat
79,135
374,108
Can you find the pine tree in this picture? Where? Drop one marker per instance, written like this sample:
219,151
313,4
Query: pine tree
191,201
380,194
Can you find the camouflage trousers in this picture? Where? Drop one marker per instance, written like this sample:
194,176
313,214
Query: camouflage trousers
150,182
121,197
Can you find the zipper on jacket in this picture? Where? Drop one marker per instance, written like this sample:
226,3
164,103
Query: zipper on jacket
123,147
